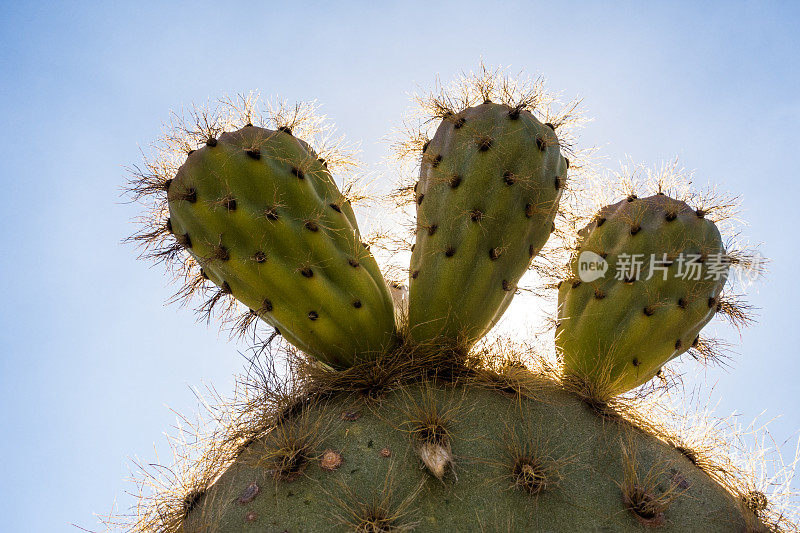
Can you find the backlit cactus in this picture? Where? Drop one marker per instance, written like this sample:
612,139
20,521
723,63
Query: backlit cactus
409,426
262,216
666,269
490,182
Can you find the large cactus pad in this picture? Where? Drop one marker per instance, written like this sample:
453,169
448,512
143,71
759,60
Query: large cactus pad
666,269
265,220
464,458
490,182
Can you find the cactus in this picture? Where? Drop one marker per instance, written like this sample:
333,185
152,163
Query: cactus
490,182
411,429
261,214
619,330
428,458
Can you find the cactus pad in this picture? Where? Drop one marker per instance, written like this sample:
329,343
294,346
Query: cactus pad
666,269
490,182
428,458
261,214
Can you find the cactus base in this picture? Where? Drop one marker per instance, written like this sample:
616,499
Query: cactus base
465,456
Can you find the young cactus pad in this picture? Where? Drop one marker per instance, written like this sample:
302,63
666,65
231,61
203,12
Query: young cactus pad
490,182
428,458
666,269
261,214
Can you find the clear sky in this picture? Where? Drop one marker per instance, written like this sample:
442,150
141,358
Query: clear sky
91,361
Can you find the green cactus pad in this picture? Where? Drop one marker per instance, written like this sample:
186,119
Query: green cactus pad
462,458
490,182
265,220
620,329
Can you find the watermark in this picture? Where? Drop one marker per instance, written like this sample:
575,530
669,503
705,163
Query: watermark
591,266
692,267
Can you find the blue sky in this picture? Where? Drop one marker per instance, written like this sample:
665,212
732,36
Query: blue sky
91,361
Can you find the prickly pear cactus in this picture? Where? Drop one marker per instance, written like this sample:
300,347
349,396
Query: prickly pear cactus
261,214
406,428
490,182
428,458
666,267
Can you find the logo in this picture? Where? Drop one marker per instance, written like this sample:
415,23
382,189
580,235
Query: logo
591,266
